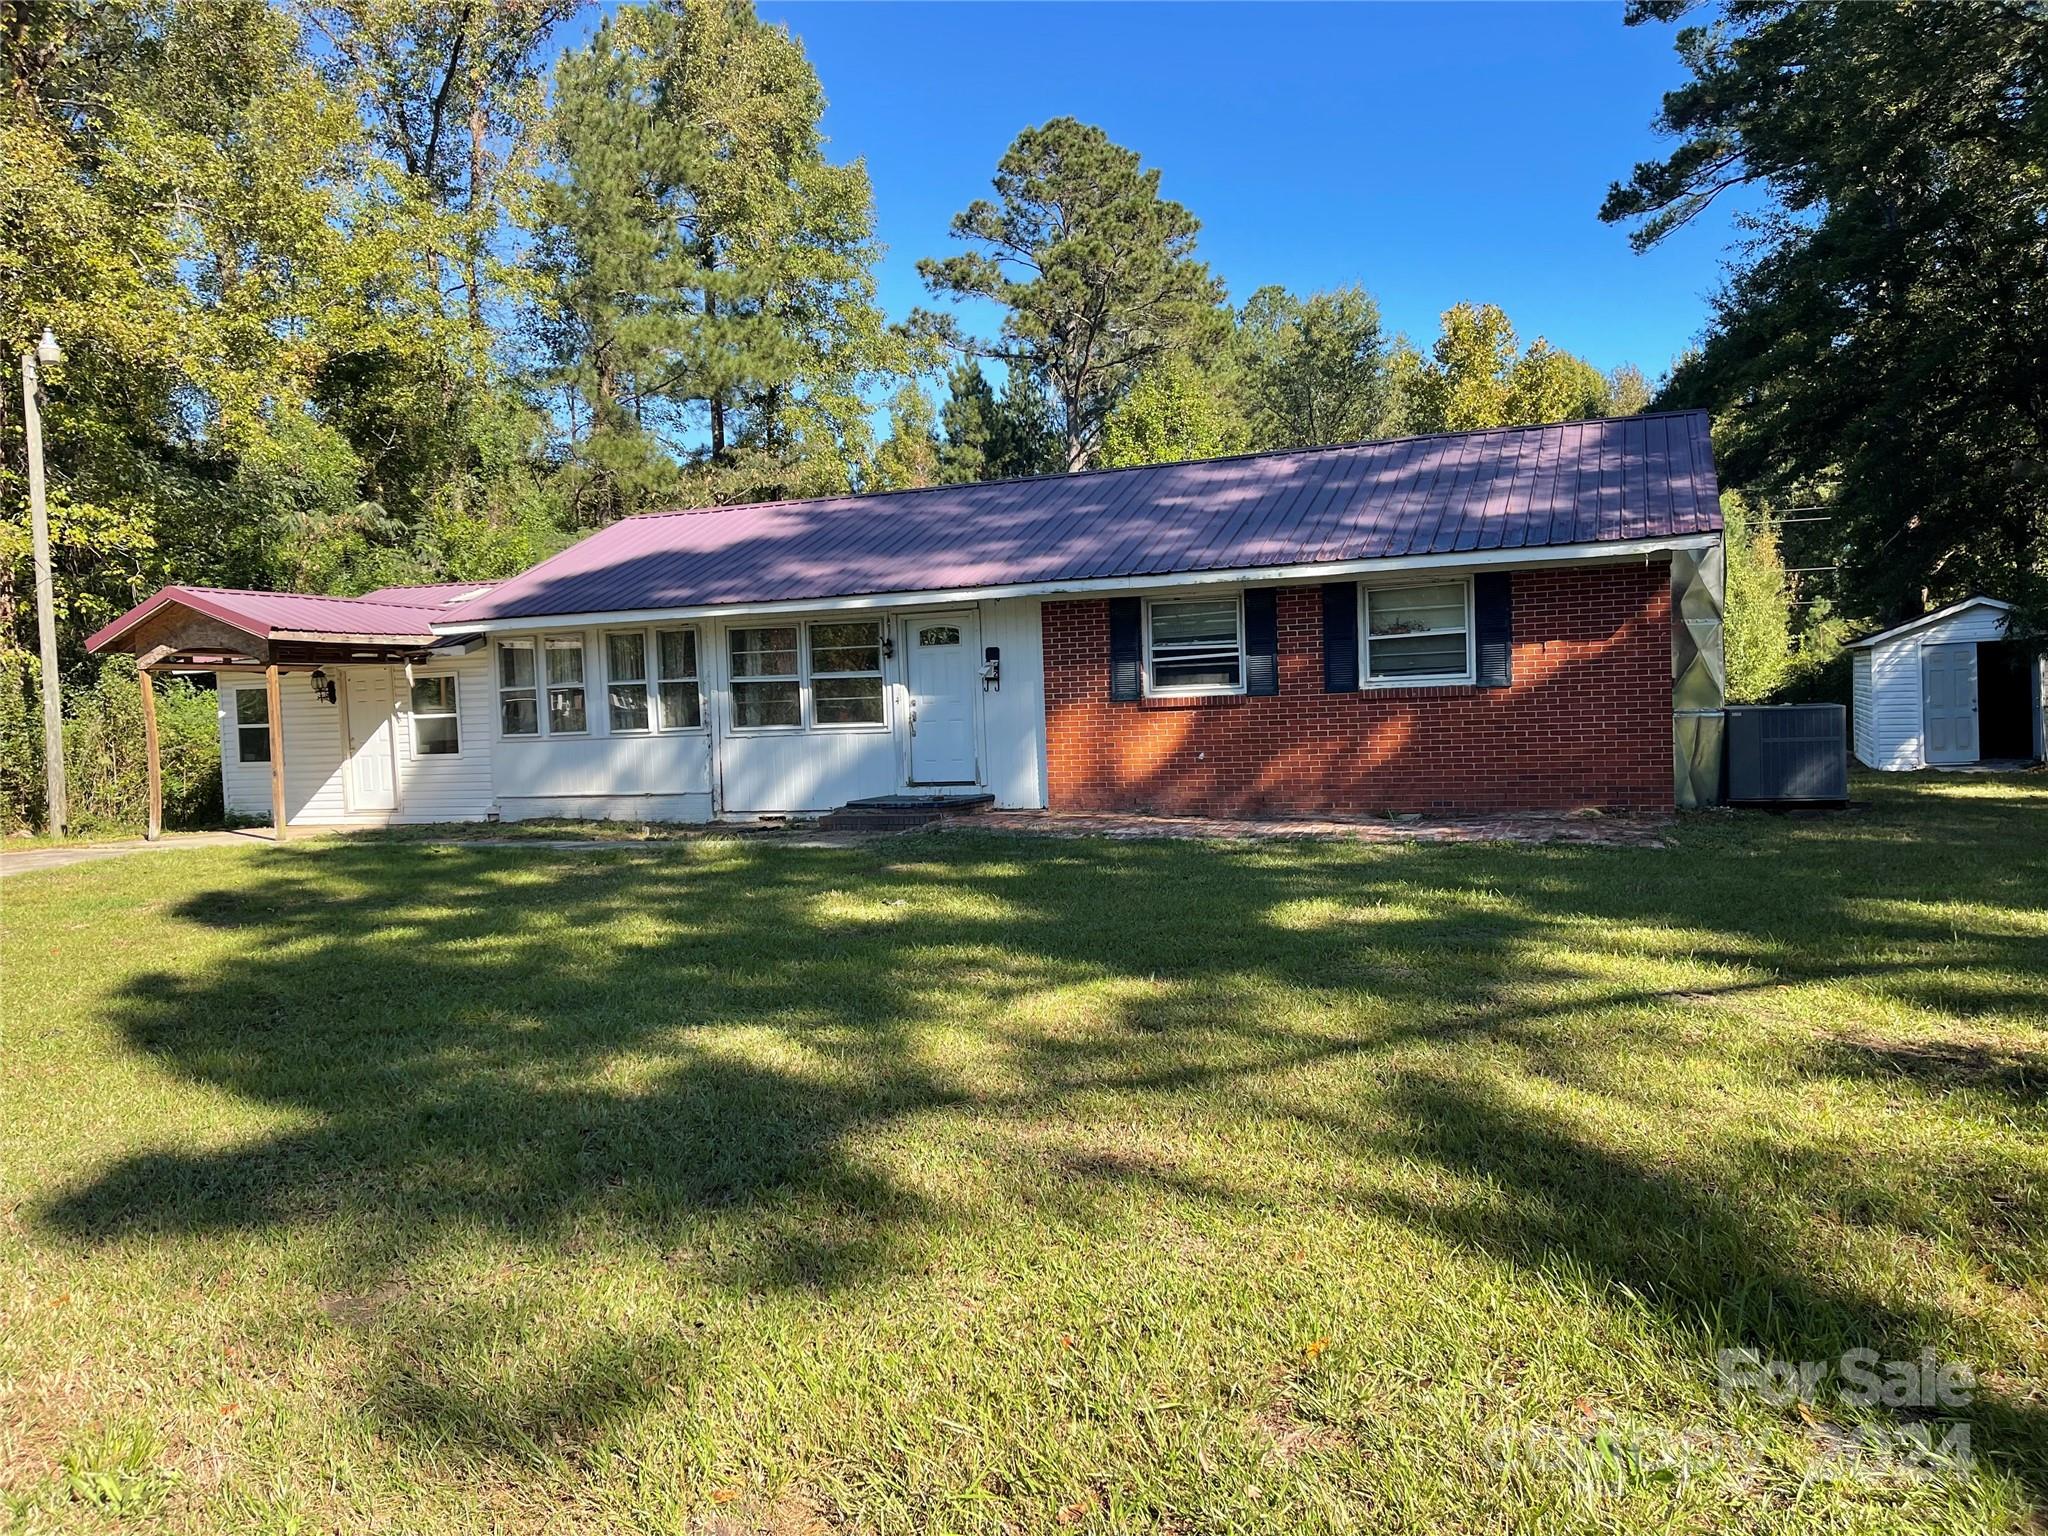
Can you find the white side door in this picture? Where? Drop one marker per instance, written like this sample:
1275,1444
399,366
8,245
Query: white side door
943,676
370,782
1948,674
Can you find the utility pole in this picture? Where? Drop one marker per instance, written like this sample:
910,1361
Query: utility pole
44,351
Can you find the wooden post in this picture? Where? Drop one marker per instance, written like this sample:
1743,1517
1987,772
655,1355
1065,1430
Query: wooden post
276,713
154,827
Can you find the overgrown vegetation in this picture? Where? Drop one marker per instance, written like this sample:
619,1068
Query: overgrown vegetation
105,770
948,1183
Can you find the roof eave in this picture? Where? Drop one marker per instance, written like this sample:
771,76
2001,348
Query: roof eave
1899,631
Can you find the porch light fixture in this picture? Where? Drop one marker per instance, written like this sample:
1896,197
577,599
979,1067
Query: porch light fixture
888,644
323,687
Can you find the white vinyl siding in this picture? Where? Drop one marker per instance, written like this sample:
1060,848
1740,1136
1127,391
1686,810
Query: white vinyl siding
430,786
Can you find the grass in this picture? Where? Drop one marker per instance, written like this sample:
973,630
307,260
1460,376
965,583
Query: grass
968,1184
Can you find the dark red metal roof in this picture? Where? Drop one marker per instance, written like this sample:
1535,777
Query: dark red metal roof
1574,483
263,614
434,594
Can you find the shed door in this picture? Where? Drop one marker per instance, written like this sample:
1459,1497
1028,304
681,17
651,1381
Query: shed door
944,676
1949,676
369,780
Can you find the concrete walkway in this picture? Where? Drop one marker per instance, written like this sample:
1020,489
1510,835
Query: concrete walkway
21,861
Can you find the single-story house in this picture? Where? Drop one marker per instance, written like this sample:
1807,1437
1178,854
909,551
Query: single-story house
1946,689
1525,617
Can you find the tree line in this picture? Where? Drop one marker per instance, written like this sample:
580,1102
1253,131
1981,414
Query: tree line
360,292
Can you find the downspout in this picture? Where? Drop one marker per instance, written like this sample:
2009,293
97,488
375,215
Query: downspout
1699,673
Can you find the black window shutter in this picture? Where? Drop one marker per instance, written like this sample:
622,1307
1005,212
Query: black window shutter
1340,637
1493,614
1126,638
1261,641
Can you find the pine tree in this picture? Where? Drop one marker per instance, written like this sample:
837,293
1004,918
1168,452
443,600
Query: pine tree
707,288
909,456
1096,270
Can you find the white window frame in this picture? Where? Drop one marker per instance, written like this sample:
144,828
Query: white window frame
656,679
734,681
652,679
581,642
1366,681
540,644
644,682
454,712
540,715
879,674
269,726
1194,690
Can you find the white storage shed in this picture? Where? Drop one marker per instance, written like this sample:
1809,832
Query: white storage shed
1947,689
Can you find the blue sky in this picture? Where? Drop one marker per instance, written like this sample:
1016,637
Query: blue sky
1431,152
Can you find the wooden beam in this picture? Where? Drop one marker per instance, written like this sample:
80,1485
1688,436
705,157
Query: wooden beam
154,827
276,712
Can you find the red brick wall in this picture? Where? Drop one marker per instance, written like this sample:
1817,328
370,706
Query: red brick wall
1587,721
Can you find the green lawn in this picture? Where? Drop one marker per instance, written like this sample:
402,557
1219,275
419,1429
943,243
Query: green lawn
971,1184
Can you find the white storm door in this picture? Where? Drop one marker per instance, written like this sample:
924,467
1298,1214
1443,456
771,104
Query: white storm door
1949,675
943,675
370,783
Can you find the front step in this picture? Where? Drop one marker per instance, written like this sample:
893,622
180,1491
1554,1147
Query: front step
900,813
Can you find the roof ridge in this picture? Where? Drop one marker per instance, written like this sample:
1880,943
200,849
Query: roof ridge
1125,469
321,597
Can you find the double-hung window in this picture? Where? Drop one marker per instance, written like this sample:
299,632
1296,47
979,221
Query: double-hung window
1418,634
651,681
567,711
436,729
541,687
1194,645
767,692
518,694
846,672
252,725
625,680
675,674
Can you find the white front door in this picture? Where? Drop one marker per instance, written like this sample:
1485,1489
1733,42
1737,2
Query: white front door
369,781
943,674
1949,675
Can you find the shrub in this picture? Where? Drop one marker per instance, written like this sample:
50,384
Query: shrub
105,766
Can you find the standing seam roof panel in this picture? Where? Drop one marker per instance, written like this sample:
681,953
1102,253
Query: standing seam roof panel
1520,488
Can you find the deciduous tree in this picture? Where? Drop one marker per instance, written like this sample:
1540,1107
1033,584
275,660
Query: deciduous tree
1883,329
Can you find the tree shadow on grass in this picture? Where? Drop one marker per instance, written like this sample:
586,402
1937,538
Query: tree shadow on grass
699,1044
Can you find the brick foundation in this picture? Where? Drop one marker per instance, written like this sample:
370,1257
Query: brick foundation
1587,721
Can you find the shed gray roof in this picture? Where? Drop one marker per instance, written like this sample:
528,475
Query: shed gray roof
1573,483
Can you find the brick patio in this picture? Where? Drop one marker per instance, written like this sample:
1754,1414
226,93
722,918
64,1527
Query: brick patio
1506,827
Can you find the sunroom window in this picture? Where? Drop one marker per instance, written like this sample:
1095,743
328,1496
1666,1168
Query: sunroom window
625,680
1196,645
766,694
567,711
518,690
1418,634
675,660
846,673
